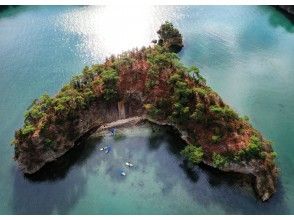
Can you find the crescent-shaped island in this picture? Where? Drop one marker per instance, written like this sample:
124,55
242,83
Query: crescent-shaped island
147,84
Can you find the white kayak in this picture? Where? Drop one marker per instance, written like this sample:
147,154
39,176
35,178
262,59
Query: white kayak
107,149
103,148
123,173
129,164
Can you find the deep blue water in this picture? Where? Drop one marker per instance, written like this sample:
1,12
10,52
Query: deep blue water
246,54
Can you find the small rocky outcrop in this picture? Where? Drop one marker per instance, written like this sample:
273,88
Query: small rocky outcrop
170,37
287,8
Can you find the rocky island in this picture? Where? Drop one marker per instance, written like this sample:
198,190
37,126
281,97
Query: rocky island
287,8
147,84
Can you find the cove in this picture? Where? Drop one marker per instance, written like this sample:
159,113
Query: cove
159,174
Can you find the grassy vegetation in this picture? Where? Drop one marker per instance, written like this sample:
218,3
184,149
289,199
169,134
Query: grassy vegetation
158,60
245,118
223,112
215,139
219,160
109,78
253,150
73,97
201,91
193,154
27,129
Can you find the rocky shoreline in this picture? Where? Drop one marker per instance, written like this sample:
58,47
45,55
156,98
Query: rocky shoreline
263,191
287,8
264,183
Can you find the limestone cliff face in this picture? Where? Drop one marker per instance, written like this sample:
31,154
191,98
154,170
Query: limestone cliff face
87,122
100,115
264,177
264,174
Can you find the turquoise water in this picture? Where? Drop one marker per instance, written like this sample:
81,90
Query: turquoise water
246,54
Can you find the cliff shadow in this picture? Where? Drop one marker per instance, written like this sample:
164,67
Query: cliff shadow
238,197
209,187
167,134
280,18
55,188
12,10
58,187
6,7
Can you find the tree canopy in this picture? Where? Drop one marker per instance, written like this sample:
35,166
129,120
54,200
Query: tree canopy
170,37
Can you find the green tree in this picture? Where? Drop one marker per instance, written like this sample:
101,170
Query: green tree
194,72
193,154
170,37
27,129
215,139
109,78
219,161
223,112
253,150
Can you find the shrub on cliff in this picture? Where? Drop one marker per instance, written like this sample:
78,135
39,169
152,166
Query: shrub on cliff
180,113
193,154
194,72
160,60
219,160
181,97
253,150
28,128
223,112
215,139
197,115
245,118
88,75
109,78
38,108
201,91
255,146
67,101
35,113
25,131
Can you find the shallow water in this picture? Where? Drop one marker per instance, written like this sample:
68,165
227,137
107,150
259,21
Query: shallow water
246,54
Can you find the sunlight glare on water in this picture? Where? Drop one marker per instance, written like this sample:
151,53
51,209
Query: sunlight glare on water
111,29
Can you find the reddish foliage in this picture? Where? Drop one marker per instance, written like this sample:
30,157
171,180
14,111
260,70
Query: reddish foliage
134,78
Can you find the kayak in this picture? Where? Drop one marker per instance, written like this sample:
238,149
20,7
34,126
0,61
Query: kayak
112,130
107,150
103,148
129,164
123,173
